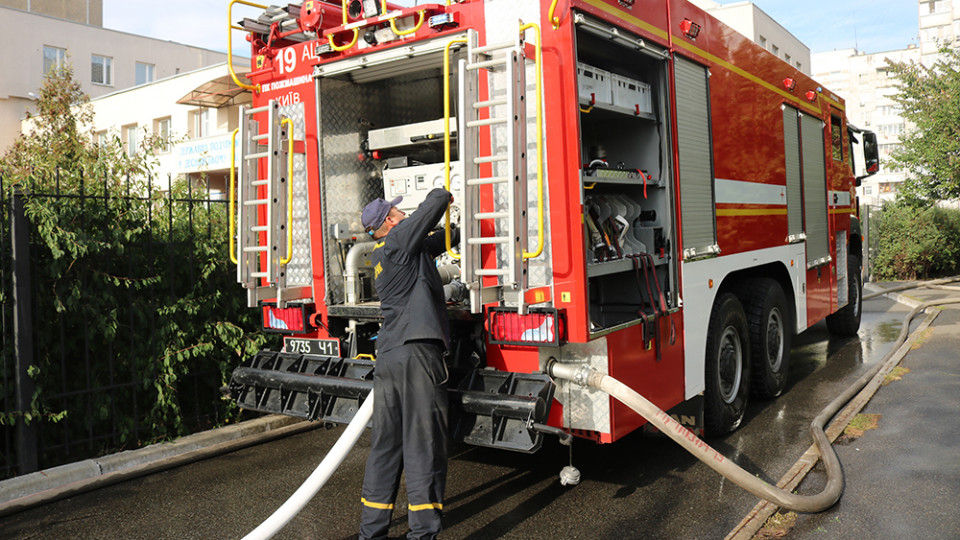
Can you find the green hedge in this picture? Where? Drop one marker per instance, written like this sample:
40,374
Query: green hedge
916,243
138,319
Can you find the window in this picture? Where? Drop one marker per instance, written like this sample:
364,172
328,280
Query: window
101,70
53,58
762,41
775,50
786,58
161,129
201,123
130,139
886,150
891,130
101,140
144,73
868,190
836,135
799,67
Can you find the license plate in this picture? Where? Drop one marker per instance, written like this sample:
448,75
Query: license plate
321,347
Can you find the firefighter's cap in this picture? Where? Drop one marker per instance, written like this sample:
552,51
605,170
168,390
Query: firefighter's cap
375,213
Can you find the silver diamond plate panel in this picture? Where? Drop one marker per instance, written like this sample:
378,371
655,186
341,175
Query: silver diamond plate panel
347,111
299,270
583,407
540,269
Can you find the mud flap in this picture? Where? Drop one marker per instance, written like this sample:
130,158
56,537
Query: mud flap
500,409
308,386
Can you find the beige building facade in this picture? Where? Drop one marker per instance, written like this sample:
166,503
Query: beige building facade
762,29
864,81
103,60
196,111
939,26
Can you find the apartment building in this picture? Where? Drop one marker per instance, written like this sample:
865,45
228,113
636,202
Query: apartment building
50,33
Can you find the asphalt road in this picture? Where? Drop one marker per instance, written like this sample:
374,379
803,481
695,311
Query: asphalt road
638,487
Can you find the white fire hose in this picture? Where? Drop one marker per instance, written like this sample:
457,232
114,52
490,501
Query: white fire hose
319,477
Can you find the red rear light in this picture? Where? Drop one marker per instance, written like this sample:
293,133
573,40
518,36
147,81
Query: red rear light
538,327
291,319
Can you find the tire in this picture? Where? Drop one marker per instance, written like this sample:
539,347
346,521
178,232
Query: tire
727,366
846,322
771,332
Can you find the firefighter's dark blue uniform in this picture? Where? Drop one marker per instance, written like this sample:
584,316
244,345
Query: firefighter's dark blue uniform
409,381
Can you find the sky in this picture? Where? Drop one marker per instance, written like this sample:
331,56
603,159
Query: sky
869,25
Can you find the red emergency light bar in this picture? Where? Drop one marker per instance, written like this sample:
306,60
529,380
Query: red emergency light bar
543,326
289,320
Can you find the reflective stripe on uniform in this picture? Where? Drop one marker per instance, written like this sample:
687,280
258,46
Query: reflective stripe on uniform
378,506
428,506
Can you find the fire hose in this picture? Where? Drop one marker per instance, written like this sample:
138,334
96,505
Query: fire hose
319,477
587,376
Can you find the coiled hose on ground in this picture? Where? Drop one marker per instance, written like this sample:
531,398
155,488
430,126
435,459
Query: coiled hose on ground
830,494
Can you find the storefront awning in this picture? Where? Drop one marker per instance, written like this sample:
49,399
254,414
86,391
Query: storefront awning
219,92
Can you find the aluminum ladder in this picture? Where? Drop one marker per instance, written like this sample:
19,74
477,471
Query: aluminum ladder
496,124
263,204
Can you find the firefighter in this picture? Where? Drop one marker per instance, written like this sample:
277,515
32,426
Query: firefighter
409,381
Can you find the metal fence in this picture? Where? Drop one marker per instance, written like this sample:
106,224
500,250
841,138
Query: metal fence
101,383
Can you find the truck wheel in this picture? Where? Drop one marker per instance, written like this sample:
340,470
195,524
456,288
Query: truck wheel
846,322
727,368
770,335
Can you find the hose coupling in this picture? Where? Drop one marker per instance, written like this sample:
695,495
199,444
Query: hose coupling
579,374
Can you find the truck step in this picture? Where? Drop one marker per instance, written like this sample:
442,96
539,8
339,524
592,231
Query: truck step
307,386
499,409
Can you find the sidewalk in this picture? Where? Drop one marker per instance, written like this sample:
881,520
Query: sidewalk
57,482
902,477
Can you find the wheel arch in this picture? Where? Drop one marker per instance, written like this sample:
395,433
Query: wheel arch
776,271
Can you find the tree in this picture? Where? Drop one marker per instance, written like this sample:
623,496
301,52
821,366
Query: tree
132,288
930,99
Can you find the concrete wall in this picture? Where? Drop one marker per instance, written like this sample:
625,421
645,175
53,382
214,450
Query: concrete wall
82,11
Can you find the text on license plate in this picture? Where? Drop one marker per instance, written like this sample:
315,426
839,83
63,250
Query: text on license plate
322,347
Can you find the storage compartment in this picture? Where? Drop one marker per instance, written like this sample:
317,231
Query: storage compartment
628,202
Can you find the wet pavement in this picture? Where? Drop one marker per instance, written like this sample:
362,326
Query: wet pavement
903,477
638,487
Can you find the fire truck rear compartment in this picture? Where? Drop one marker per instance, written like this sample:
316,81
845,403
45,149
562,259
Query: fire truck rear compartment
628,201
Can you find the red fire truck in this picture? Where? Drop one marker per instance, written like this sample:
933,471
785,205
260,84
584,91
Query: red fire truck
639,189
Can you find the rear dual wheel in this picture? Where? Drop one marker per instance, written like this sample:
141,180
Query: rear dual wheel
770,335
727,366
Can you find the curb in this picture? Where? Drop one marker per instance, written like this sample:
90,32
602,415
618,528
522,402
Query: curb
89,470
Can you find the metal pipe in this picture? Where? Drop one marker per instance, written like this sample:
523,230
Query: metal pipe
351,271
301,382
